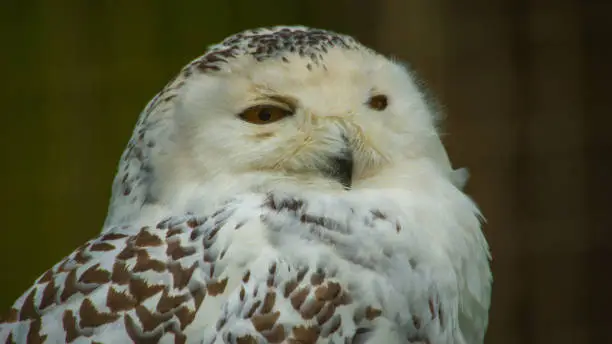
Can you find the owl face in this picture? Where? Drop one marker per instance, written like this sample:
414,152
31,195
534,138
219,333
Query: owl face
337,119
283,108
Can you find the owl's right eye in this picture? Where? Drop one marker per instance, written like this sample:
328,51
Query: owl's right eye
264,114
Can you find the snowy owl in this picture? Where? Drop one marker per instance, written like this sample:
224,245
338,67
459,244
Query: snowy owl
288,186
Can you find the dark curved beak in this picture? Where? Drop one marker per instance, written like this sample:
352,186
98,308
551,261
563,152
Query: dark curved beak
343,170
342,167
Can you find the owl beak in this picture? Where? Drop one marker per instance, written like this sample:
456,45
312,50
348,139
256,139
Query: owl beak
342,167
343,170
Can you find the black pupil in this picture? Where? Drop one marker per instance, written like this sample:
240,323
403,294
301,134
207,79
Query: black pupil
264,115
378,102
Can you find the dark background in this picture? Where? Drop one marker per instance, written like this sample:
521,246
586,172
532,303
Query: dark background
524,85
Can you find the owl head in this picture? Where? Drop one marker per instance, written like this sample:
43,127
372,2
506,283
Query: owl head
282,106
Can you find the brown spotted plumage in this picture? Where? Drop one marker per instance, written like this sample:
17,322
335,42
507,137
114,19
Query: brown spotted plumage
115,281
152,283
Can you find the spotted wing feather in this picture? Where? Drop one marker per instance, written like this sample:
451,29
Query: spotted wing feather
125,286
264,269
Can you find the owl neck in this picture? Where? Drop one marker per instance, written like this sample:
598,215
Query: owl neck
148,195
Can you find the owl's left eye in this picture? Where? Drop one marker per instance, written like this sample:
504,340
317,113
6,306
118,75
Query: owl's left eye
378,102
264,114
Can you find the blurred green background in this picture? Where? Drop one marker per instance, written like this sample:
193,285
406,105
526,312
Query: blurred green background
523,83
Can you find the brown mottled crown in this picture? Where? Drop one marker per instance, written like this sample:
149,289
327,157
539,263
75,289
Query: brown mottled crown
267,43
